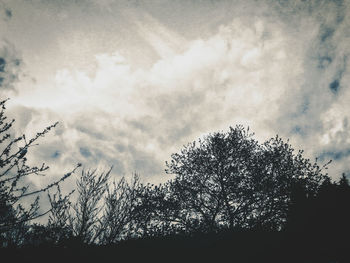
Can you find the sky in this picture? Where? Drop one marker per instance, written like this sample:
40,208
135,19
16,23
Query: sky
131,82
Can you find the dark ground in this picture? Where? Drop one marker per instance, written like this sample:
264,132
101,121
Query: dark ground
247,247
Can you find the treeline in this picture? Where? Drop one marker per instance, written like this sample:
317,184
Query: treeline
230,195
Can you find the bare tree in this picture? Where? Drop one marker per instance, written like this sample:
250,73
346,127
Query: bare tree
120,218
59,218
84,219
14,172
101,213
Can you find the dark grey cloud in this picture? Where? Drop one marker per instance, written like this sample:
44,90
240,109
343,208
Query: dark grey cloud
85,152
334,86
2,64
336,155
56,154
10,65
5,11
9,56
342,69
8,13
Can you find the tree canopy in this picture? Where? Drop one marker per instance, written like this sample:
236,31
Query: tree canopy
230,180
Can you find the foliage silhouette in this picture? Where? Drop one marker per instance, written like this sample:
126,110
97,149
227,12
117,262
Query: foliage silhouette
229,180
231,198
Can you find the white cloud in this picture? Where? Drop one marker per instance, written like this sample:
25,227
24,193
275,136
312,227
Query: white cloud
269,73
150,113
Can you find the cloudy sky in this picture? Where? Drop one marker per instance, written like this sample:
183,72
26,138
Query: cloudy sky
132,81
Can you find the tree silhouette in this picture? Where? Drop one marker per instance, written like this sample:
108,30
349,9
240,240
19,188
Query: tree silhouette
84,219
227,191
101,213
229,180
14,188
120,219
